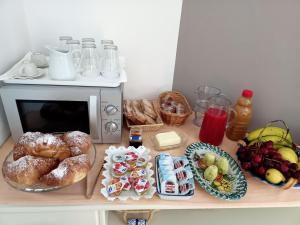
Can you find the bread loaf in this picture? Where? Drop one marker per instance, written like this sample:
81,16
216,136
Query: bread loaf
148,109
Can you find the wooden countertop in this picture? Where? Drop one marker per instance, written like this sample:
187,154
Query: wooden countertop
259,194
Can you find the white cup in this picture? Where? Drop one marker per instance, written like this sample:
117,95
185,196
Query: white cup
28,69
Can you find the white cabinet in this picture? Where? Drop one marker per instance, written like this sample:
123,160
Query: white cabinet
51,216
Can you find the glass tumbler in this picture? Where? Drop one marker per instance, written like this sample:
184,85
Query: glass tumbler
103,43
63,43
110,68
88,41
74,48
203,94
89,62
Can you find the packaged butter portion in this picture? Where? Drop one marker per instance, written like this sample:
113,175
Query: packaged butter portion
167,139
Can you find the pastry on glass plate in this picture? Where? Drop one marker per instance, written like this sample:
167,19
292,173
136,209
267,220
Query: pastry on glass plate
69,171
78,142
41,145
28,169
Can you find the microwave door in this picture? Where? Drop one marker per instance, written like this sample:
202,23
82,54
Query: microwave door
52,109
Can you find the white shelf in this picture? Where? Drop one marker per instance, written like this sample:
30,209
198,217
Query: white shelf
7,78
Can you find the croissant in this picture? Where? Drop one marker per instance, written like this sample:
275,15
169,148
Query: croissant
69,171
78,142
28,169
42,145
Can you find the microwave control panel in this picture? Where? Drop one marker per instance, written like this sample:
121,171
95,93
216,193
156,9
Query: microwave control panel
111,114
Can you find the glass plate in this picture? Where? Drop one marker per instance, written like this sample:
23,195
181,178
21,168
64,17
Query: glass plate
41,187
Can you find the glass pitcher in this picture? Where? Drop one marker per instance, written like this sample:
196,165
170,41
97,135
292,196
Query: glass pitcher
215,120
203,92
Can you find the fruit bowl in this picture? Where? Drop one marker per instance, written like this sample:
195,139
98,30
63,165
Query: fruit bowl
269,163
270,154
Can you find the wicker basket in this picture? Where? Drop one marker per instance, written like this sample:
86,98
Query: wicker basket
149,127
173,118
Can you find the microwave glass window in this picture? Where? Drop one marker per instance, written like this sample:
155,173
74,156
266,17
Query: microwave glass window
53,116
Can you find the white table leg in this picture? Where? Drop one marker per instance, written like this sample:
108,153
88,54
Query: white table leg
103,214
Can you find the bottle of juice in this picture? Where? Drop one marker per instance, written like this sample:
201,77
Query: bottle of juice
238,127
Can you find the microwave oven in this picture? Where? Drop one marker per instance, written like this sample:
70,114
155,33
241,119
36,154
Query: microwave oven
55,109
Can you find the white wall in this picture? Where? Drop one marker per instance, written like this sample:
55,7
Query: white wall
14,43
145,30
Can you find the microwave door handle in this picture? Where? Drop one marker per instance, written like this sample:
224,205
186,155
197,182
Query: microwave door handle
93,117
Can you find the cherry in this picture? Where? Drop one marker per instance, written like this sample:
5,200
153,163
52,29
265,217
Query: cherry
277,156
297,175
269,144
293,166
246,165
284,168
264,151
257,158
261,171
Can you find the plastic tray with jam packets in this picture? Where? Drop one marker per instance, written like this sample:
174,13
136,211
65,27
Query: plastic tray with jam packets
185,189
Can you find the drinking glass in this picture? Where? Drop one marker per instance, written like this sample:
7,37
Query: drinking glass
88,41
74,48
89,62
215,120
203,94
63,43
110,63
103,43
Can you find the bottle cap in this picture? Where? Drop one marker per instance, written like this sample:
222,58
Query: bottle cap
247,93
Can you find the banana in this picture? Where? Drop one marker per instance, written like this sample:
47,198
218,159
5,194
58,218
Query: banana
278,141
291,182
270,131
278,146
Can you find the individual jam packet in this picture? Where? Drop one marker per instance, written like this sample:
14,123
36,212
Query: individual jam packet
120,168
126,183
115,188
165,160
131,157
141,185
180,162
183,174
138,173
117,158
186,187
141,162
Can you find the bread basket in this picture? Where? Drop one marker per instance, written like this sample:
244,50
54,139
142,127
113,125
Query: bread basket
173,118
149,127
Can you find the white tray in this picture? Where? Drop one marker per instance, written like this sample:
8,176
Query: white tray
107,173
45,80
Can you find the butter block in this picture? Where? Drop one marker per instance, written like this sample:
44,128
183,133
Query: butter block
167,139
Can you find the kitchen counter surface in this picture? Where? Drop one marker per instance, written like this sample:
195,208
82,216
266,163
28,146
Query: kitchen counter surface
259,194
